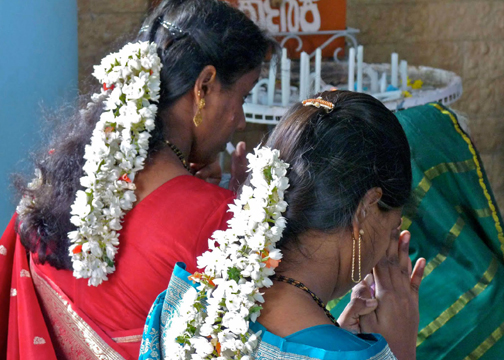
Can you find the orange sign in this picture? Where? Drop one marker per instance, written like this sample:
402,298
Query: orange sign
299,17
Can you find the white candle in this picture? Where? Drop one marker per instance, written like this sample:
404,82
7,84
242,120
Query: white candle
307,75
394,67
374,79
304,76
383,83
404,75
301,77
360,59
351,69
271,80
255,94
318,69
286,64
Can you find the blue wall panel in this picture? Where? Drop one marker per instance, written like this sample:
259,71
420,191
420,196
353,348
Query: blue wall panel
38,68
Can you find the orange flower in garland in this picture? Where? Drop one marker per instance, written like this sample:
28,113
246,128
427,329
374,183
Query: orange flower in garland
125,177
270,263
206,279
77,249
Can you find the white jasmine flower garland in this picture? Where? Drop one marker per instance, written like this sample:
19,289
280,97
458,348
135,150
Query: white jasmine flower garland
238,264
117,152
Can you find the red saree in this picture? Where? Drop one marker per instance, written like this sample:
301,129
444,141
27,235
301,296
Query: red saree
48,314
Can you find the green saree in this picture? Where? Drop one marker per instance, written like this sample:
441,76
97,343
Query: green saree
456,225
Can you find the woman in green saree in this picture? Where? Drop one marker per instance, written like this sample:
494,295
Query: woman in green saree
349,177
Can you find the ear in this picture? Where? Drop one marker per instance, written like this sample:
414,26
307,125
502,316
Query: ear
205,83
369,200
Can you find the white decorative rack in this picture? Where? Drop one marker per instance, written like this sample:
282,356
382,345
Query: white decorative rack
267,103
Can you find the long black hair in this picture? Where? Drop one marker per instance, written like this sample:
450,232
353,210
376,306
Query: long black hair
203,32
336,157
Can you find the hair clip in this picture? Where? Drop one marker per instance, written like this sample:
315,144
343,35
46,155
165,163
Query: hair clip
143,29
318,102
173,29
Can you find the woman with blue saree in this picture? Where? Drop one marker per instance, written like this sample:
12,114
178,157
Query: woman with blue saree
321,209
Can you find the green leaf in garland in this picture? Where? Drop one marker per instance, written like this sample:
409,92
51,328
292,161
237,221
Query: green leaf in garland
234,274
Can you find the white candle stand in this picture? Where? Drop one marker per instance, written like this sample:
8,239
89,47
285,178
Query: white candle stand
267,104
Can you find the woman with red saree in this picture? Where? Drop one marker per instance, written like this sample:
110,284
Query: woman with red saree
173,98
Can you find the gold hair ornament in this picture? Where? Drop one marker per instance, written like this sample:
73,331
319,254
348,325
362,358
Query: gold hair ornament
198,118
353,259
319,103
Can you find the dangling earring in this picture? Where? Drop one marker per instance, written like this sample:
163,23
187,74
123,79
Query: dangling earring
198,118
354,256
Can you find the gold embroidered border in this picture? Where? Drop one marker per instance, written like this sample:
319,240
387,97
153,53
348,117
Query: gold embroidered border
498,227
487,344
425,184
450,239
482,213
74,337
270,352
267,351
461,302
173,298
128,339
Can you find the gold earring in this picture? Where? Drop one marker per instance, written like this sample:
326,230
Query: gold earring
198,118
353,259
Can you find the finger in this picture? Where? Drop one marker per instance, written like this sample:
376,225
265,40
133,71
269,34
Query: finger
410,267
387,269
239,159
209,172
402,275
196,167
238,166
364,289
241,148
356,308
369,279
393,249
369,323
381,275
389,263
417,275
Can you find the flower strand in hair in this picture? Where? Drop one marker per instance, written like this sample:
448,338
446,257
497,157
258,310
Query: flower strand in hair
213,322
117,151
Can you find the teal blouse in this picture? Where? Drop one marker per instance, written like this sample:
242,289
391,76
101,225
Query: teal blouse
321,342
326,342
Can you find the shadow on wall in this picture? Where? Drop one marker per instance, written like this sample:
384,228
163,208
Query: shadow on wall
38,67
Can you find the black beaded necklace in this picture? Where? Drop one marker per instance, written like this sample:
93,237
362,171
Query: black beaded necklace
303,287
179,154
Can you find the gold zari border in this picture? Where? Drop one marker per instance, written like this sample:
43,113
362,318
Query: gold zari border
267,351
450,239
430,174
487,344
127,339
74,338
